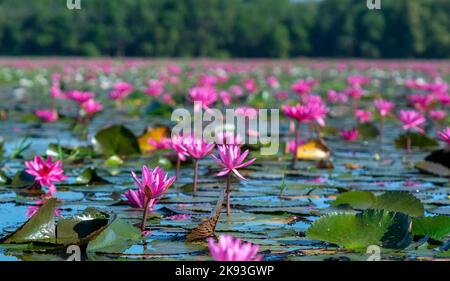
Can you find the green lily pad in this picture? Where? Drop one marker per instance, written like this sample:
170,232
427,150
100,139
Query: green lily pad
113,161
371,227
39,228
79,228
4,179
433,168
368,131
116,140
417,141
90,176
115,238
437,227
395,201
156,108
22,179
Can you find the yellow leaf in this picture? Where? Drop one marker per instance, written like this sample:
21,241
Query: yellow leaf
313,150
157,134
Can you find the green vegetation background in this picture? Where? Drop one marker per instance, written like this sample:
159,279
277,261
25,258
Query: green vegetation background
226,28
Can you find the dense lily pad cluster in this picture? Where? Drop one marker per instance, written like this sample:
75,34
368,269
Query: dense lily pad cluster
363,161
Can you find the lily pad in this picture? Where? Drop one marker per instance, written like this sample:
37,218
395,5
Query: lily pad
159,109
395,201
372,227
417,141
90,176
433,168
115,238
368,131
437,227
116,140
441,157
39,228
22,179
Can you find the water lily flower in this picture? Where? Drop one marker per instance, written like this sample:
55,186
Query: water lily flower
121,90
272,81
80,96
250,85
437,115
384,107
233,249
154,184
46,173
350,135
91,107
363,115
164,143
357,80
225,97
411,119
197,149
155,88
230,161
303,87
47,115
203,97
421,102
444,135
337,97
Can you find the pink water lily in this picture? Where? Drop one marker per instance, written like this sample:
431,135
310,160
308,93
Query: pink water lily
47,115
350,135
444,135
121,90
91,107
80,96
46,173
437,115
384,107
203,97
230,160
411,119
155,88
197,149
233,249
154,183
363,115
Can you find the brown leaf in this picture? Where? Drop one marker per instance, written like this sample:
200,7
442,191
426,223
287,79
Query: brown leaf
206,228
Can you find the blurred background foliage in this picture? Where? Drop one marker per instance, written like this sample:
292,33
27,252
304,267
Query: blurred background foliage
226,28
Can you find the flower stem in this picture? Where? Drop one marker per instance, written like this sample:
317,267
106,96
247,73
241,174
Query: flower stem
144,217
408,143
228,193
195,174
178,167
297,137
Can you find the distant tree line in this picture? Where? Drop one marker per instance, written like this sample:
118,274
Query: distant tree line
226,28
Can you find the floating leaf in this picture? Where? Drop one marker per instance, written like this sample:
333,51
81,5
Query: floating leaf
156,134
395,201
80,228
4,179
39,228
113,161
433,168
90,176
206,228
22,179
116,140
368,131
417,140
159,109
115,238
313,150
372,227
437,227
360,200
